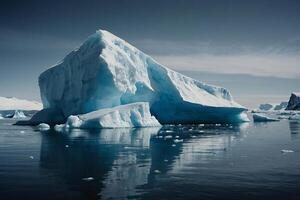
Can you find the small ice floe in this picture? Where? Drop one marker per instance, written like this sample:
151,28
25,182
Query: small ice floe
287,151
43,127
31,157
59,127
22,132
201,131
217,124
165,160
177,136
173,145
67,146
295,117
160,136
263,118
157,171
169,131
177,140
283,117
88,179
193,136
168,137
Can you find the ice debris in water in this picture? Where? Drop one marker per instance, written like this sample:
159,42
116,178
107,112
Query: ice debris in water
59,127
168,137
287,151
177,140
88,179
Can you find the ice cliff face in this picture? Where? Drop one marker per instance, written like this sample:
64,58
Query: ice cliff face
294,102
106,72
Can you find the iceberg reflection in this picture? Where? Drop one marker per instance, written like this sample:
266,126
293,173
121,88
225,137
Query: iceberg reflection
123,162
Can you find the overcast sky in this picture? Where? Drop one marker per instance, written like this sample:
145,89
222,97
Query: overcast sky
260,38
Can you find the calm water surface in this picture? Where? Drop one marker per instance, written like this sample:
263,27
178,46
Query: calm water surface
174,162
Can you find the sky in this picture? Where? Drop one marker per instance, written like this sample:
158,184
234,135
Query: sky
231,39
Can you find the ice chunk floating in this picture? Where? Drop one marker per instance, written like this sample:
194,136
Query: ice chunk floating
130,115
106,72
263,118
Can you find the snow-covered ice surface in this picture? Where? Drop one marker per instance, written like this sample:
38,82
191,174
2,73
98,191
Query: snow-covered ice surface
12,103
130,115
294,102
106,72
263,118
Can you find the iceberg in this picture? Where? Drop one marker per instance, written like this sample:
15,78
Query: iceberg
106,72
130,115
294,102
19,114
263,118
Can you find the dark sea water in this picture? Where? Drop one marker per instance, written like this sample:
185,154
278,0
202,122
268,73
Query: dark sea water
175,162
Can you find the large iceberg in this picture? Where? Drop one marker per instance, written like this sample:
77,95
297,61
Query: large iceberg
294,102
106,71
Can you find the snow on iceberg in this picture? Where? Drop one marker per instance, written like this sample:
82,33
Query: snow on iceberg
130,115
294,102
106,72
263,118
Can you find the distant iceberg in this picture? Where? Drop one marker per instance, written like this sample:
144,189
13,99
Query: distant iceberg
294,102
17,114
106,72
273,107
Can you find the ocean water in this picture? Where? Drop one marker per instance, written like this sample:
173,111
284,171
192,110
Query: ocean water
173,162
